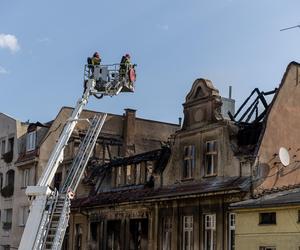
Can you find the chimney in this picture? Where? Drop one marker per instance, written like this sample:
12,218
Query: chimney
129,131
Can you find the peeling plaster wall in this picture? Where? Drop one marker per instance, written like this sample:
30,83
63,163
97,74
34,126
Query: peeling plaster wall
282,130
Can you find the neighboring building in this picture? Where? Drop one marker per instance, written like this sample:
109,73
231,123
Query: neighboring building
270,220
10,131
122,135
176,197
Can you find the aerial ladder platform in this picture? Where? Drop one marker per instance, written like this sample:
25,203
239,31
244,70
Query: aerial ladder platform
50,208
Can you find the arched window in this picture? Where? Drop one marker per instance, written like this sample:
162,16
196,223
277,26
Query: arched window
10,178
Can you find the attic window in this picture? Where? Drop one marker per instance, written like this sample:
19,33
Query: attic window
188,161
31,141
267,218
211,158
199,92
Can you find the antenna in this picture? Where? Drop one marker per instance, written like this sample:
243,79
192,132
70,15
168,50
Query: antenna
284,156
297,26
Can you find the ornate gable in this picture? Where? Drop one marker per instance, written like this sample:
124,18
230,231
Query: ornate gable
202,105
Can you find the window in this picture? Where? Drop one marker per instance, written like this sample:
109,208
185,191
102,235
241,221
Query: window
149,169
10,146
3,144
210,232
167,233
129,174
1,181
138,174
187,233
23,215
188,161
298,214
211,158
25,177
267,248
30,141
267,218
10,178
7,219
231,231
119,176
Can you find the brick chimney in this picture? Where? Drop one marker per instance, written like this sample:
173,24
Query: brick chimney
129,132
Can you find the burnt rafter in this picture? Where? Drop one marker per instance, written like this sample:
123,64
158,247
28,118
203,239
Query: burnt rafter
248,111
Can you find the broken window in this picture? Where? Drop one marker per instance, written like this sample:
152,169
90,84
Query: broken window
31,141
167,233
119,176
138,234
188,161
211,158
210,232
231,231
113,235
130,174
78,237
187,233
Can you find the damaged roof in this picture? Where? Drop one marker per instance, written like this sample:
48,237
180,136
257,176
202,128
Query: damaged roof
161,156
214,186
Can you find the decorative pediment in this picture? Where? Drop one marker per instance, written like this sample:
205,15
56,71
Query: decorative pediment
201,89
202,105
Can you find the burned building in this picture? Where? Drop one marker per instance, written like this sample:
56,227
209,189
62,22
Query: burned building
176,197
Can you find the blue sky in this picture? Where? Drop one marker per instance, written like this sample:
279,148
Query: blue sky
230,42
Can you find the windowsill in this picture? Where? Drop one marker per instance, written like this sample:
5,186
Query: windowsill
269,224
187,179
211,175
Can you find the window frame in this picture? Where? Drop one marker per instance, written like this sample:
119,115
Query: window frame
264,222
231,230
31,141
213,156
167,225
188,168
267,248
23,215
210,227
25,177
188,230
3,146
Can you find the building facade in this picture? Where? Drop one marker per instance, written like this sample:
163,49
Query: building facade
176,197
270,219
10,131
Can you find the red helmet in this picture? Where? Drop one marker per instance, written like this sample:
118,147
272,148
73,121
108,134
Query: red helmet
96,54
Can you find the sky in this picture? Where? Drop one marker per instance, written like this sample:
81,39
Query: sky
44,46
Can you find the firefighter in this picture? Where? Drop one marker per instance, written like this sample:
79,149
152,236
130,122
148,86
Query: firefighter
96,59
125,66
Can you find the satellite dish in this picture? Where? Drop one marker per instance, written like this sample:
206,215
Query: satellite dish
284,156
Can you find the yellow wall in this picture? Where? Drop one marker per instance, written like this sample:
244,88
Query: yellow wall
285,235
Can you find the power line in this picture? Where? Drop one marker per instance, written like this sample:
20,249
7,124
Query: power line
297,26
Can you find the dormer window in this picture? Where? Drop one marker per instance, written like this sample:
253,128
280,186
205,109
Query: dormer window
211,158
31,141
188,161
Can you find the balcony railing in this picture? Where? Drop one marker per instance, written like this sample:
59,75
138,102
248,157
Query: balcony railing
7,191
6,226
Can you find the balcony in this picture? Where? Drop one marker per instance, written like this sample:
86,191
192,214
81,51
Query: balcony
7,191
6,226
8,157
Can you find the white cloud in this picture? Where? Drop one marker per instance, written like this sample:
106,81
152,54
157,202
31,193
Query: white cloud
3,71
10,42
